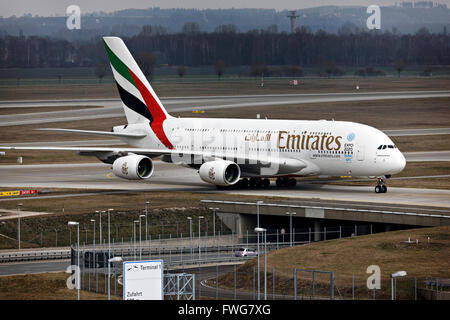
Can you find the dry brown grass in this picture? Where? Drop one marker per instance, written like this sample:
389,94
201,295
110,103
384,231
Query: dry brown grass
437,142
381,114
8,111
349,256
414,169
27,133
226,87
43,286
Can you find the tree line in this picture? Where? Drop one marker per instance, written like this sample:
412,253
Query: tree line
256,48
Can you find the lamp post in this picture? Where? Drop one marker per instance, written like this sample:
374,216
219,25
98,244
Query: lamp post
264,231
100,226
134,236
200,217
115,260
190,232
70,224
18,223
109,253
394,276
93,244
290,226
257,237
146,219
140,239
214,221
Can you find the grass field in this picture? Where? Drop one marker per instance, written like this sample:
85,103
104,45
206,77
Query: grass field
381,114
228,87
8,111
43,286
167,215
351,256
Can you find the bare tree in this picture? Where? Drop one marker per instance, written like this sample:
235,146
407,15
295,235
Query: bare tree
181,71
399,66
220,68
146,62
101,69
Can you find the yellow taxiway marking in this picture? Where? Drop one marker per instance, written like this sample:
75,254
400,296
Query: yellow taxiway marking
109,175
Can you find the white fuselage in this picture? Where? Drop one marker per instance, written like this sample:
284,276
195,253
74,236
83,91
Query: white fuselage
331,148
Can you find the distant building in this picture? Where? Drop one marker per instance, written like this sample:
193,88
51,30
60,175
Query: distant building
293,18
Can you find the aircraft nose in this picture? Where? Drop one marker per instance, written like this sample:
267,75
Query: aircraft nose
400,162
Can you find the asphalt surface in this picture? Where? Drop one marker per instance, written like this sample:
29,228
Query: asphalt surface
112,108
170,177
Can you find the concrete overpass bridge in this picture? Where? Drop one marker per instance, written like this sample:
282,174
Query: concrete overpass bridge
319,215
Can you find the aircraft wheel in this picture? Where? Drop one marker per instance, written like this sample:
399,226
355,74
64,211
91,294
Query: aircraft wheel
378,189
292,182
279,183
244,183
266,183
259,183
252,183
384,189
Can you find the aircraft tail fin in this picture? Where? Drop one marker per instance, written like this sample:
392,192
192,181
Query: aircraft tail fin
140,102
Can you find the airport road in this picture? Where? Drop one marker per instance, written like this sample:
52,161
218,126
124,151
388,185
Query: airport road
112,108
8,269
169,177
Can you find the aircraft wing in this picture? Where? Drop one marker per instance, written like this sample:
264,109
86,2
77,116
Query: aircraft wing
99,133
262,164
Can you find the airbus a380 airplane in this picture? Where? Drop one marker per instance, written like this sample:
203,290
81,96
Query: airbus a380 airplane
233,152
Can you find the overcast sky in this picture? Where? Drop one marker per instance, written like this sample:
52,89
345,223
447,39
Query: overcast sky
58,7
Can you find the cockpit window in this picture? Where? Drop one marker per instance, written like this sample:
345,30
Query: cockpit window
390,146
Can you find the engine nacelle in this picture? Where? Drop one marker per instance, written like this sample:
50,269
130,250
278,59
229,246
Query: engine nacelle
220,172
133,167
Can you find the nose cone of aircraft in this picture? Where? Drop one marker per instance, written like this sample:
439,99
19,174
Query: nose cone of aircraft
399,163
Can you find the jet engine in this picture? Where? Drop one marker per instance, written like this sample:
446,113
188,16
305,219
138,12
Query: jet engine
133,167
220,172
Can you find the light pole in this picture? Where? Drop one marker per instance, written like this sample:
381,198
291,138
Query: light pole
140,239
290,226
258,231
134,236
18,223
394,276
258,203
77,272
100,226
190,232
214,222
200,217
257,237
94,254
115,260
146,219
109,253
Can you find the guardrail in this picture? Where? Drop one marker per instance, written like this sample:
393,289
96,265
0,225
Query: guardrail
127,251
34,255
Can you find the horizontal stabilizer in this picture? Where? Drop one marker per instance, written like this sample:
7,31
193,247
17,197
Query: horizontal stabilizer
98,133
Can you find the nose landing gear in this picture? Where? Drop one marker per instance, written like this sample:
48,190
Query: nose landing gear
381,187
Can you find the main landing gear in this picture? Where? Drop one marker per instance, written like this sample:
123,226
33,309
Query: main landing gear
260,183
381,186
